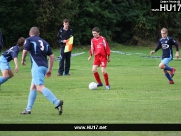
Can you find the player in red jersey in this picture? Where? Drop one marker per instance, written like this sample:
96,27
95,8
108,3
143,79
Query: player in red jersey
101,51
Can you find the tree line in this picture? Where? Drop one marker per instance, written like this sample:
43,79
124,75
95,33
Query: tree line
120,21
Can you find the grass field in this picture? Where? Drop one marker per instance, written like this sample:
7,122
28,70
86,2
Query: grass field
139,93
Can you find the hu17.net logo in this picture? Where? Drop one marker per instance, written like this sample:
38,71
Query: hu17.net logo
166,5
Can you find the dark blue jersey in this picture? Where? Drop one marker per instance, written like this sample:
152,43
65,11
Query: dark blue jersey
11,53
39,49
166,45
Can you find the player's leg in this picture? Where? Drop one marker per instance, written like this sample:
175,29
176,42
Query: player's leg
164,65
5,76
31,99
48,94
167,75
67,63
38,76
95,66
6,71
105,74
61,62
96,75
172,70
51,97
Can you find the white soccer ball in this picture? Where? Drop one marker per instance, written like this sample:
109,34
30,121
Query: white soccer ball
93,86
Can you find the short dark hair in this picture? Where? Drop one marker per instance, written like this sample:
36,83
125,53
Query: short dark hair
96,29
65,20
34,31
21,41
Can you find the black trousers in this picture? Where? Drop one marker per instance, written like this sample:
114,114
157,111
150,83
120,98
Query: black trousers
64,64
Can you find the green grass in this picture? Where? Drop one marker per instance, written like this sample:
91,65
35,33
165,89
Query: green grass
139,94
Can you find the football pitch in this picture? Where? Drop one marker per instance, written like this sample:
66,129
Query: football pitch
139,93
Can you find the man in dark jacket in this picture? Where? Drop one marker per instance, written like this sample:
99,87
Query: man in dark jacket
63,35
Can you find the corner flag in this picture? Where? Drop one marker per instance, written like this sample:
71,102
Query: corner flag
69,44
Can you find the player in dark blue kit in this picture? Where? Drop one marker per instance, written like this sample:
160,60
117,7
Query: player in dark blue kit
166,43
6,57
39,49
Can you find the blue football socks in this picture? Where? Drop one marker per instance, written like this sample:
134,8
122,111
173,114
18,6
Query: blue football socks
50,96
168,76
31,99
2,79
167,68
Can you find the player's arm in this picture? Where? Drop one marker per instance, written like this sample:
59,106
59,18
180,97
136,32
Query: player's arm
71,33
51,62
177,48
14,55
177,54
108,58
49,72
90,56
91,51
59,38
157,48
108,51
16,64
25,52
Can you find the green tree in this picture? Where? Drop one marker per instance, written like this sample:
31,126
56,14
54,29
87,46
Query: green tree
50,15
16,19
119,20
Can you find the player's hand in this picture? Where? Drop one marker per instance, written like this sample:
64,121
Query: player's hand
16,69
64,41
48,74
177,55
89,58
23,62
152,52
108,60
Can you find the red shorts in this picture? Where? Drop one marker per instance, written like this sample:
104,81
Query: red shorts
100,61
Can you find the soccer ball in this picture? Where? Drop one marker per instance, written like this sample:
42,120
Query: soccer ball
93,86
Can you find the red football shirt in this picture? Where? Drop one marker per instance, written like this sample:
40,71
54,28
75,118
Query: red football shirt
99,46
